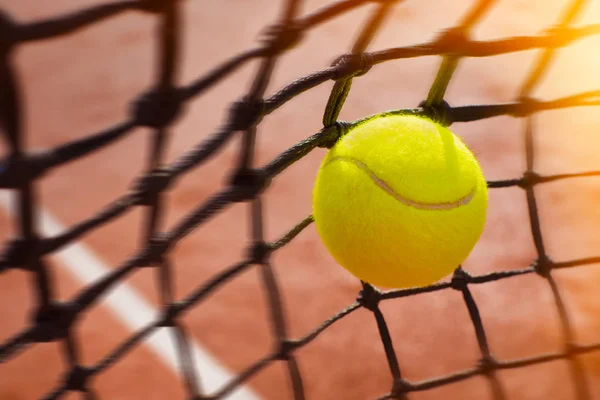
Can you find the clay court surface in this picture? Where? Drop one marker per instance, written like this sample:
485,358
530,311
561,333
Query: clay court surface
84,82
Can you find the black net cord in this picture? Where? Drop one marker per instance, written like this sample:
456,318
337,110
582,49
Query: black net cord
341,88
168,54
487,362
544,264
157,110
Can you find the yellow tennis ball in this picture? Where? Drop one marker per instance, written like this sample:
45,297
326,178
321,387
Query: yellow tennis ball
400,201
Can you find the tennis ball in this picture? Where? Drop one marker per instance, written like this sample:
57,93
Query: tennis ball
399,201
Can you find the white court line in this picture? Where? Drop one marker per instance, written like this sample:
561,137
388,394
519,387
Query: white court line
132,309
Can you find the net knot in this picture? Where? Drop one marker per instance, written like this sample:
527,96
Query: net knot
543,265
281,37
351,65
77,377
460,279
487,364
331,134
369,297
400,387
19,251
248,183
246,113
529,179
17,170
440,113
157,108
449,41
171,311
259,252
525,107
560,36
286,347
155,250
8,30
572,348
53,321
149,186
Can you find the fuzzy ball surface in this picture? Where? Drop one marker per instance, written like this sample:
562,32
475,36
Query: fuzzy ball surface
400,201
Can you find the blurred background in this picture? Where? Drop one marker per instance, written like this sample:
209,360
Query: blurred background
84,82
